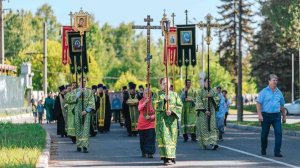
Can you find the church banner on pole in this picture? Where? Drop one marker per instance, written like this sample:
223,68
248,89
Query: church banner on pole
186,45
65,45
171,47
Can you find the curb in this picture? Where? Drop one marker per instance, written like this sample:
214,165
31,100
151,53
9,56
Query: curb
10,118
258,129
45,156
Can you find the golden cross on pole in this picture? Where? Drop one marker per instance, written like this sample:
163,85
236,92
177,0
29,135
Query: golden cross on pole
71,18
208,25
173,19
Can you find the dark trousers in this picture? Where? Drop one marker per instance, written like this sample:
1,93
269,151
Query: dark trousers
147,141
186,137
117,116
225,119
273,119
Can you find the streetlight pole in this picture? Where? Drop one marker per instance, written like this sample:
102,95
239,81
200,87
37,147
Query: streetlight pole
293,77
45,85
1,34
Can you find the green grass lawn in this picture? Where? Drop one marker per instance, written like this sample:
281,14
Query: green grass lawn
290,127
21,144
249,108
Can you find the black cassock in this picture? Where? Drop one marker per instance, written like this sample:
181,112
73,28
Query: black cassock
58,115
107,118
125,111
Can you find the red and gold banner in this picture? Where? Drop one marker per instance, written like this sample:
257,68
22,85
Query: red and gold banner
171,48
65,46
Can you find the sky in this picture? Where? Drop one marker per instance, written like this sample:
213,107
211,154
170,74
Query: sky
115,12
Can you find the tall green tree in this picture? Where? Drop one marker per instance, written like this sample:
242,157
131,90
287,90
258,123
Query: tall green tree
275,44
18,32
229,11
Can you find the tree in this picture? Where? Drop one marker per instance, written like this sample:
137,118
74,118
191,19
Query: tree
18,32
275,44
45,14
228,46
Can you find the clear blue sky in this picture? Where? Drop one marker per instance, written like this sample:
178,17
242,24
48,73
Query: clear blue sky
115,12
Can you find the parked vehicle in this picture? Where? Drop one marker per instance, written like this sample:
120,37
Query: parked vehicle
292,108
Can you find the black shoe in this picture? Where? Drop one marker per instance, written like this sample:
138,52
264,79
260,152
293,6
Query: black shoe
194,140
150,156
73,140
78,149
185,140
278,155
129,135
263,152
135,135
174,161
85,150
214,147
143,155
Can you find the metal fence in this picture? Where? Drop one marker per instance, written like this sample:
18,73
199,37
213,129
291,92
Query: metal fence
11,92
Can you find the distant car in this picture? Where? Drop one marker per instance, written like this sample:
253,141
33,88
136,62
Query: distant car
293,108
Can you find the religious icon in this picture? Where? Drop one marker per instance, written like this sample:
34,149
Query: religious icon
76,44
116,100
186,37
81,22
172,39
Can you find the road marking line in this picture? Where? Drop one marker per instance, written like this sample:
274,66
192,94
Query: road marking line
260,157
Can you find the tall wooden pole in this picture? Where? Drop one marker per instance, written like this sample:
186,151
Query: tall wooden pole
45,85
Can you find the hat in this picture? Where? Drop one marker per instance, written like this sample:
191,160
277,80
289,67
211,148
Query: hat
147,85
94,87
141,86
124,87
130,83
104,87
100,85
132,86
62,88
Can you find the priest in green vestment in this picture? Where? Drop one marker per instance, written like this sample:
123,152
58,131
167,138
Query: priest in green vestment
188,116
71,113
83,96
167,112
206,103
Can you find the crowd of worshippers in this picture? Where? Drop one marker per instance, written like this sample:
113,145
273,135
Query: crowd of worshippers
198,113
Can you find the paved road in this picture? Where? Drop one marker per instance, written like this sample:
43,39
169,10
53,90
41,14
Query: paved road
115,149
253,117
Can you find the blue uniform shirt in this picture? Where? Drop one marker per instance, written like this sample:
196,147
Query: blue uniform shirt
270,101
222,107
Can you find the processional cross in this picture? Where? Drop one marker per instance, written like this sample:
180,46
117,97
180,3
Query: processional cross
208,25
149,56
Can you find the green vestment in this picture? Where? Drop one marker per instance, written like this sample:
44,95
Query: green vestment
70,113
82,123
133,111
206,137
189,115
166,126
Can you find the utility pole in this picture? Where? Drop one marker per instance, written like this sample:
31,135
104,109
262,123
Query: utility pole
299,75
45,85
1,34
293,77
240,73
